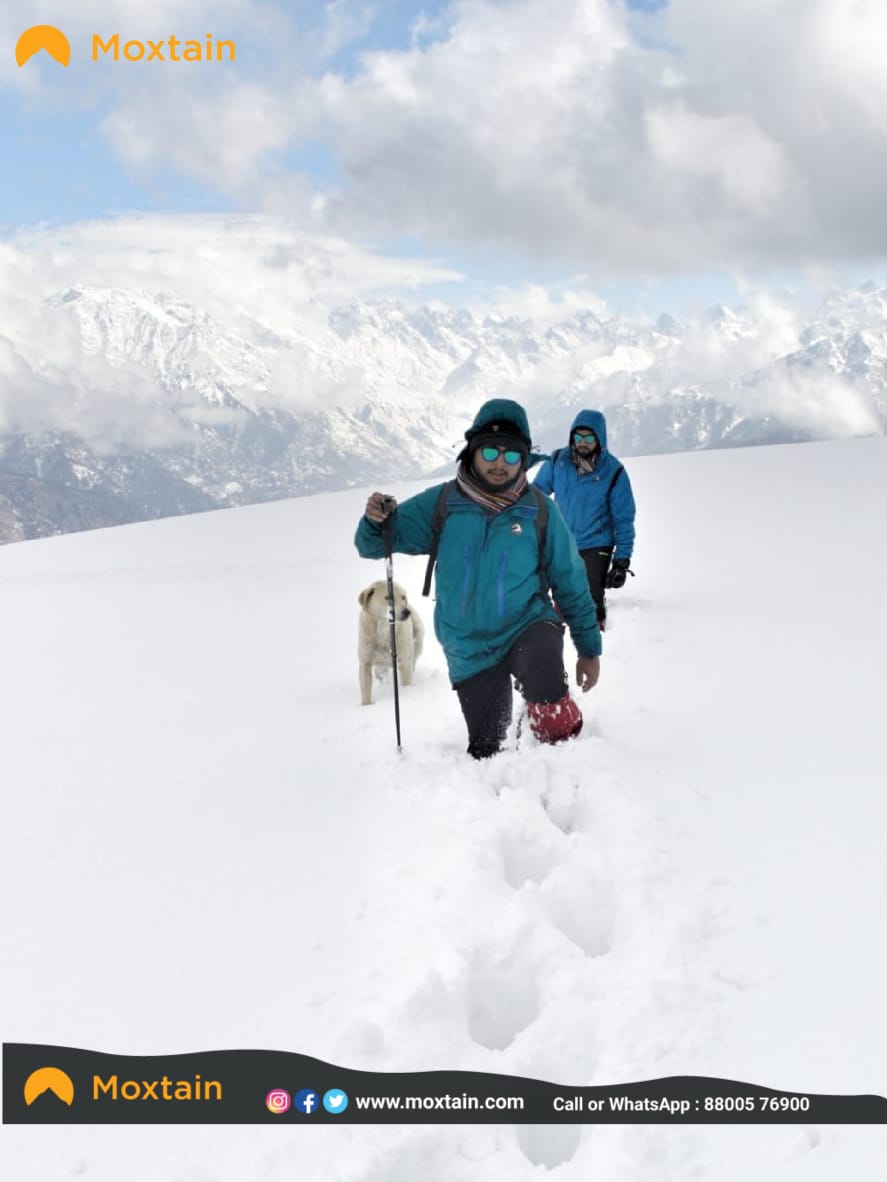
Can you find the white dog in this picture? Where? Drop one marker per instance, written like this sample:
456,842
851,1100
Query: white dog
374,637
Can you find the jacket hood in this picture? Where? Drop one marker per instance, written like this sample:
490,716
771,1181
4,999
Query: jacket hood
501,410
595,421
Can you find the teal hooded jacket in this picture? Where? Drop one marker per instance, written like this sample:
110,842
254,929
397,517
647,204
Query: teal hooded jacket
488,579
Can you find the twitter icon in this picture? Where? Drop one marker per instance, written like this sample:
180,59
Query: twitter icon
335,1100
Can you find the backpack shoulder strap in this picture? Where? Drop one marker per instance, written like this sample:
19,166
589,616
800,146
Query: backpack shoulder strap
615,477
541,534
438,518
541,517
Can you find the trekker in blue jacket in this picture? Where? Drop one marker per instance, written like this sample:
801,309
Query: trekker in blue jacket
493,615
594,494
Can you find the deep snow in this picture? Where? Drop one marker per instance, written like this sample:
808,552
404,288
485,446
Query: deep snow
208,843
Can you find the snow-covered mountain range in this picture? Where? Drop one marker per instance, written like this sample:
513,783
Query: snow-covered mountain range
137,404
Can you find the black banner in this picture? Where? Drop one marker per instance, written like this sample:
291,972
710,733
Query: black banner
66,1085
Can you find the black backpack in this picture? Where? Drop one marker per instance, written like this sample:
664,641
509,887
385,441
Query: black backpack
439,518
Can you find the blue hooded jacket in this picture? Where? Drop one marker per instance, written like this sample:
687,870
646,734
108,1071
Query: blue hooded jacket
599,505
487,580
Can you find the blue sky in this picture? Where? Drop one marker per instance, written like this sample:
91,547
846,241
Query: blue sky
59,168
664,154
57,162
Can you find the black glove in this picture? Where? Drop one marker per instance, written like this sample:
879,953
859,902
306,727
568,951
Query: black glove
617,573
379,508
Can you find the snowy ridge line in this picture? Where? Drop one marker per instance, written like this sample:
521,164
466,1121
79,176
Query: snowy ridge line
182,411
232,1086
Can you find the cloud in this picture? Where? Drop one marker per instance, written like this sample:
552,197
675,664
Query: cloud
747,170
228,264
693,138
50,380
619,142
83,396
720,141
815,401
258,291
131,331
209,138
544,305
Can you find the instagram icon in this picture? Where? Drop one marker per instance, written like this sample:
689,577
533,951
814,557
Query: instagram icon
277,1101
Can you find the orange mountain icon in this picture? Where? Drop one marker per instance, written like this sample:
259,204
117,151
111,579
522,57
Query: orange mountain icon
49,1079
46,37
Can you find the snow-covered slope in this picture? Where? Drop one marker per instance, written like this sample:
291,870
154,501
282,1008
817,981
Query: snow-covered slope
208,843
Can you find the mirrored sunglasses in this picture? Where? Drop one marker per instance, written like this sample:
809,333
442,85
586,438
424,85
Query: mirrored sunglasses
510,455
584,437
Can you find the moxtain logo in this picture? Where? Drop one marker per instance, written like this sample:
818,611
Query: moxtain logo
155,1089
46,37
49,1079
167,49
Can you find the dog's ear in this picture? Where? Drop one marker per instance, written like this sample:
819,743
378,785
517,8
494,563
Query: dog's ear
364,596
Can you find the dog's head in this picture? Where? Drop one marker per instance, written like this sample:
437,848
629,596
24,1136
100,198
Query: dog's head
374,599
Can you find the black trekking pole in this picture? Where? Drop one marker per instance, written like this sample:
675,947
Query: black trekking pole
389,575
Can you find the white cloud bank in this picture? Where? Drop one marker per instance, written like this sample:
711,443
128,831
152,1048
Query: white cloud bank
126,330
697,137
244,282
590,136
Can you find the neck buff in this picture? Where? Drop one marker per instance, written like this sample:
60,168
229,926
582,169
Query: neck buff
582,463
493,502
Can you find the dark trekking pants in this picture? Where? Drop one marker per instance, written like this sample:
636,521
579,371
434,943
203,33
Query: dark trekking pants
597,563
536,662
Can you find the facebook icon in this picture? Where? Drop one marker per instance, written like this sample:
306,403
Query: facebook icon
305,1101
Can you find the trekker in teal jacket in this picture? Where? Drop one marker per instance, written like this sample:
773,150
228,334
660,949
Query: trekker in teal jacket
594,494
493,616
